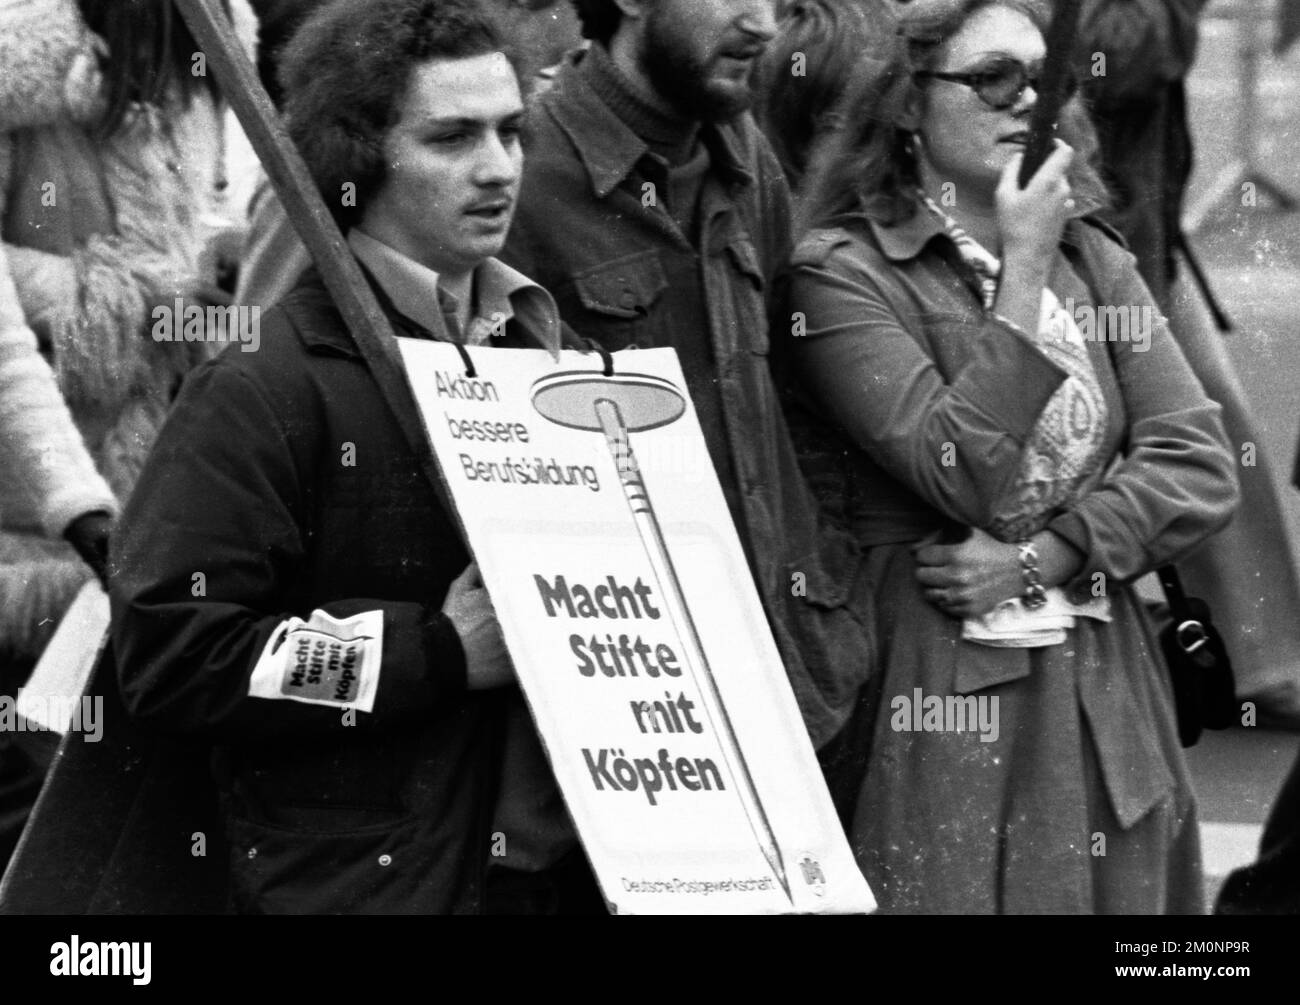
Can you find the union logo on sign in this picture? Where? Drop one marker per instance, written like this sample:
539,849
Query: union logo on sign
813,875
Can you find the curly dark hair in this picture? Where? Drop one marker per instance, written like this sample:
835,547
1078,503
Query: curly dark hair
345,72
599,19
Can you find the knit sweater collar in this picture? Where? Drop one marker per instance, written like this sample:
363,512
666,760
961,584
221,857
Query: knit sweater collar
670,136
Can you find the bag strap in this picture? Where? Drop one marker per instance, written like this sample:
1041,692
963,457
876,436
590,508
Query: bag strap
1173,586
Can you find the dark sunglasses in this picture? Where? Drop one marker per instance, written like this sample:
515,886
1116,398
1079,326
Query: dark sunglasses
1000,85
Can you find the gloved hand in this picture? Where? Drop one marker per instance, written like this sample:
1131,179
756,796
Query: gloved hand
88,534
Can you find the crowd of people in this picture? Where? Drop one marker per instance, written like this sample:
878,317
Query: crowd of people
888,340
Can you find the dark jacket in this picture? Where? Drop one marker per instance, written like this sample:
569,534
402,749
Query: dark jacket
586,232
280,485
1139,106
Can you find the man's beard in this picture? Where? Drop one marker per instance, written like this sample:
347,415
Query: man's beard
680,79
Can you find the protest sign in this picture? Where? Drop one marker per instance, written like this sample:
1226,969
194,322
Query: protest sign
593,510
55,697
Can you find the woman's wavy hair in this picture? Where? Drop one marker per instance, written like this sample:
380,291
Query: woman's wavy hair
150,49
840,131
345,72
833,84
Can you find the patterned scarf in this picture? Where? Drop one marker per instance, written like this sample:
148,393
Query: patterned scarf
1062,458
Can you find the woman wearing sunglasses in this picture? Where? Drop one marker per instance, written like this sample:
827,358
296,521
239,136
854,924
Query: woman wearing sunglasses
967,405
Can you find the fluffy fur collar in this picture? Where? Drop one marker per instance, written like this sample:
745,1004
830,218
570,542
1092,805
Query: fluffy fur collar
51,61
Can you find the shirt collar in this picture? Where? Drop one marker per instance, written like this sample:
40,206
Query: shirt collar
502,293
607,146
907,238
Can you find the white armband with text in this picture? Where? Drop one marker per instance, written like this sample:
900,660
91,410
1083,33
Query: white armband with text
322,661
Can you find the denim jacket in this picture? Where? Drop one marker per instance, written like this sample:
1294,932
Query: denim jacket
585,231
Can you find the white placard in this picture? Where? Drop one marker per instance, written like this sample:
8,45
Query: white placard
54,698
636,630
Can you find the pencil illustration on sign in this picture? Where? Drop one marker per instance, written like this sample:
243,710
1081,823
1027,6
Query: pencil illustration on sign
618,405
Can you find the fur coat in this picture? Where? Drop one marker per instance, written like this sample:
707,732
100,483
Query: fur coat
92,233
98,231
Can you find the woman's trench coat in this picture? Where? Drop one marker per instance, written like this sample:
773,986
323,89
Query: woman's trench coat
1069,792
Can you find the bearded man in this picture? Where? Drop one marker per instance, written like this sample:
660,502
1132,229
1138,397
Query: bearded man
656,214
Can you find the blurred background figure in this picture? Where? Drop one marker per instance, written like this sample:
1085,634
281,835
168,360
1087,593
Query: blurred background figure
110,171
1270,884
1135,57
272,257
43,457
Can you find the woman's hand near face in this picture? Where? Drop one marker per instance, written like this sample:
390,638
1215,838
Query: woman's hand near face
1030,219
1030,222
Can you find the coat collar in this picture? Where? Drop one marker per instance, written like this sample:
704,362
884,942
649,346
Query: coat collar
501,294
607,147
532,307
907,239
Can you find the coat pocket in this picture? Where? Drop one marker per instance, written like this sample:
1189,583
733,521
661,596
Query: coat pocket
826,630
393,867
624,288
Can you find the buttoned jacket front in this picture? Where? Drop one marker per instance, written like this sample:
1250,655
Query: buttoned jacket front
284,478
